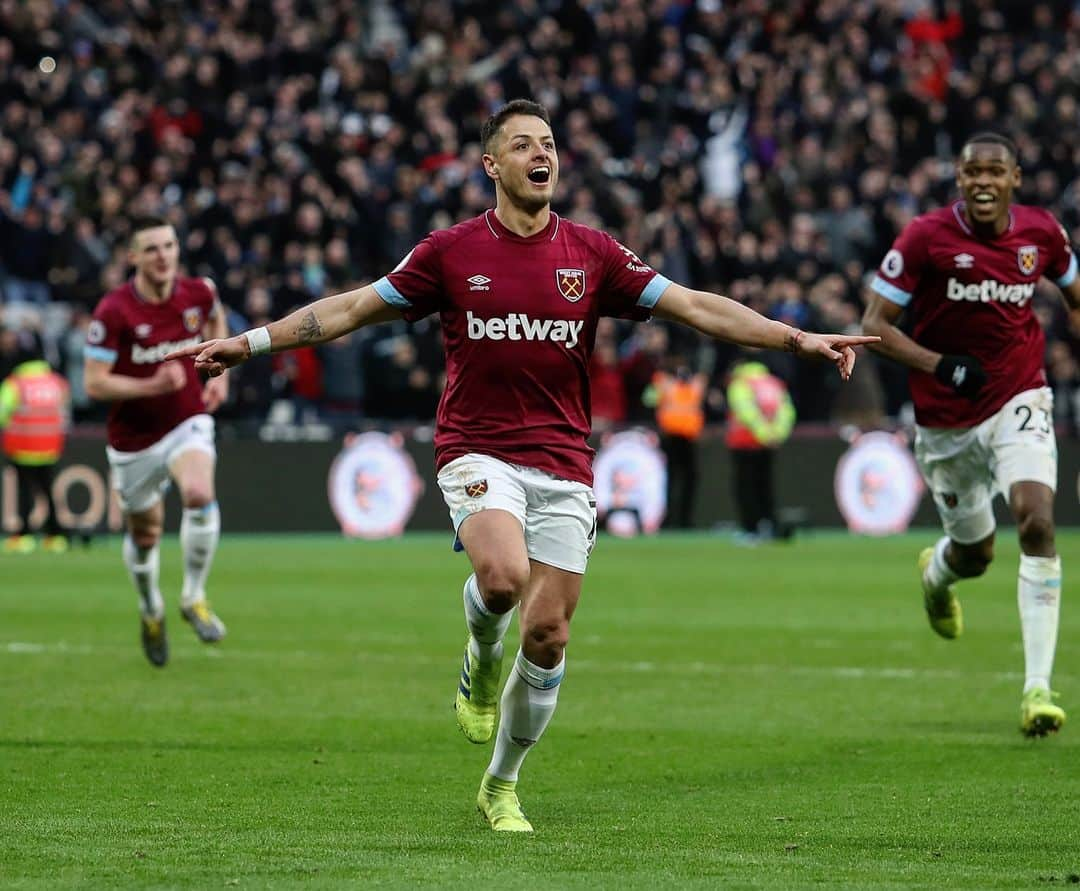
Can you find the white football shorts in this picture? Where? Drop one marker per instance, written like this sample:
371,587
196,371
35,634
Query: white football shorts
142,478
966,467
557,516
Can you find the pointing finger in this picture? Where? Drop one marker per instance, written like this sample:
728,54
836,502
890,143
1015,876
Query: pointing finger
184,352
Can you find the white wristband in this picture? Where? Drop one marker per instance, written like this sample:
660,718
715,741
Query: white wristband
258,341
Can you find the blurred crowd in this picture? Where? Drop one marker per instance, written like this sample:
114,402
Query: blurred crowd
769,151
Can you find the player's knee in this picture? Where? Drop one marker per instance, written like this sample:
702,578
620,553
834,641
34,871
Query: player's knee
502,584
547,641
973,560
197,494
146,537
1036,534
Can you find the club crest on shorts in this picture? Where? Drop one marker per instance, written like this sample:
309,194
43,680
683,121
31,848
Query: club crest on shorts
193,319
1027,258
476,489
571,283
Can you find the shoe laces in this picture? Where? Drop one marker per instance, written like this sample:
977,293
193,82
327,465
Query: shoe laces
1041,694
201,610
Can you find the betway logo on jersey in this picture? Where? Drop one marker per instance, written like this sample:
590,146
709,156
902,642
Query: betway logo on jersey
990,291
147,355
518,326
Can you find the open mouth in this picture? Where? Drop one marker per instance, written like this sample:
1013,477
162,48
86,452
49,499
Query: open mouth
540,175
983,199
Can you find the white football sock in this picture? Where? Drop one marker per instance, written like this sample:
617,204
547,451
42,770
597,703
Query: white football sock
142,565
1038,594
528,702
486,629
939,574
200,528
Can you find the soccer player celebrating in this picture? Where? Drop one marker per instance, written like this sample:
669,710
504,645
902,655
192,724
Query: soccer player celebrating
519,291
983,409
160,428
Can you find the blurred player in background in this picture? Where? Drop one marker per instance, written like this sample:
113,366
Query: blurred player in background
34,415
519,291
160,428
983,410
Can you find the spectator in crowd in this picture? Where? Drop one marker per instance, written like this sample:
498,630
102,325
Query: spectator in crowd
606,377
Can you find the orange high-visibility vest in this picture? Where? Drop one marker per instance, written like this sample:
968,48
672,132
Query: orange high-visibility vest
679,410
34,433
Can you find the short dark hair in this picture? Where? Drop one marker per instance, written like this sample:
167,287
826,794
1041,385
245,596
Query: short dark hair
149,221
514,107
989,136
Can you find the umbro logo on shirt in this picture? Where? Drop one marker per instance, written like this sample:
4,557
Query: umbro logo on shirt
479,283
964,261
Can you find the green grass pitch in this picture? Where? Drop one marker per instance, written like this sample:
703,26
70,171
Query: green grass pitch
778,717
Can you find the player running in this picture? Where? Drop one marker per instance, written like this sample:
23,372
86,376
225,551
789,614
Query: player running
519,291
160,428
983,409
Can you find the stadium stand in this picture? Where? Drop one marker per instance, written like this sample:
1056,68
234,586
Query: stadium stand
770,151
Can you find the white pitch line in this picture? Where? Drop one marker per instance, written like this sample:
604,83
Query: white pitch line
711,669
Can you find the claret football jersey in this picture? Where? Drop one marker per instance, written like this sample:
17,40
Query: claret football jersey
134,336
973,296
519,320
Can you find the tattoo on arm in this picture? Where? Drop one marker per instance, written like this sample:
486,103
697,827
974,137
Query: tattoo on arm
309,329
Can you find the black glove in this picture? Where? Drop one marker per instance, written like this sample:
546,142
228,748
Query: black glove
963,373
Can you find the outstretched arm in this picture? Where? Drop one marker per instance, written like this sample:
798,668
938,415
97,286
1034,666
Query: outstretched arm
729,320
318,322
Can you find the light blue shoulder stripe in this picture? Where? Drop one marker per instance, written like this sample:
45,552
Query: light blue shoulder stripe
1070,274
100,354
652,291
890,292
390,294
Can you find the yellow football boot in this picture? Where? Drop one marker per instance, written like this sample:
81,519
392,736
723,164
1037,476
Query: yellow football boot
499,804
942,607
1038,714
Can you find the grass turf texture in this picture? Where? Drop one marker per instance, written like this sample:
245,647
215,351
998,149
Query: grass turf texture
776,717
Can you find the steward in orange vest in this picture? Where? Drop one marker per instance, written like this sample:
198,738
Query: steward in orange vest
680,416
680,404
33,415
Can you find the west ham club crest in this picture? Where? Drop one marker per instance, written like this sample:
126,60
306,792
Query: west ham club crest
1027,258
476,489
192,319
571,283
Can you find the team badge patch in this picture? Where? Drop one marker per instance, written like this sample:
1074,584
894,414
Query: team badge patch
1027,258
571,283
476,489
193,319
